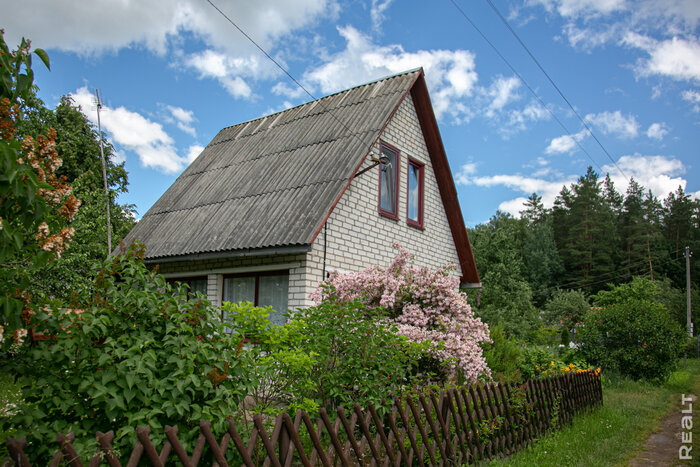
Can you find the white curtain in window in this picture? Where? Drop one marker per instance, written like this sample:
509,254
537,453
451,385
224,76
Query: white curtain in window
239,289
273,291
387,188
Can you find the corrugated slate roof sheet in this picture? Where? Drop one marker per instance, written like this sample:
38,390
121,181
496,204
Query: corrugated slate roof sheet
271,181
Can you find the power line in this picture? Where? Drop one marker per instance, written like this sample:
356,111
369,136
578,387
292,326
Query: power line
522,80
520,41
286,72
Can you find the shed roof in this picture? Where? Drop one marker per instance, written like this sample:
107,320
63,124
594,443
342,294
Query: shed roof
270,183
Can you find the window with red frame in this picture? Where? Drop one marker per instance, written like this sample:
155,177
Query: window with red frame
389,182
414,194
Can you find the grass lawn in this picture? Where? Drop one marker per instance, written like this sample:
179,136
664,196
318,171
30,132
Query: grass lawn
615,433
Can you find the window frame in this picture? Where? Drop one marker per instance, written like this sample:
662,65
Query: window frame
257,276
391,215
421,192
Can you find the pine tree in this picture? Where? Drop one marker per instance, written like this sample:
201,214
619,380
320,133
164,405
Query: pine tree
583,237
633,226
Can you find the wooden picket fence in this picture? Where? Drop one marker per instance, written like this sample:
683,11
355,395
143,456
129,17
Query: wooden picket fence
454,426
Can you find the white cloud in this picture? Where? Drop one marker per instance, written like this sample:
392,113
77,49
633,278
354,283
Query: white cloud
229,71
501,92
615,123
463,177
661,174
377,11
103,26
194,151
183,119
284,89
451,75
657,131
134,132
565,143
676,58
572,8
548,189
693,97
100,26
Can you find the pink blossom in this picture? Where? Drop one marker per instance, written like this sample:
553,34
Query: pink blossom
425,305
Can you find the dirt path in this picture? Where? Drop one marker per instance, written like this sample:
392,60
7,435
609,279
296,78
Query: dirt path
661,449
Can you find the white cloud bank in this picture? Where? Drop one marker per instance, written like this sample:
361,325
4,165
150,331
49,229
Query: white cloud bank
134,132
661,174
106,26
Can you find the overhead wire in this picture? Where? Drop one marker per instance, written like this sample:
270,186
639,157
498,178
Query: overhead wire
559,91
286,72
527,85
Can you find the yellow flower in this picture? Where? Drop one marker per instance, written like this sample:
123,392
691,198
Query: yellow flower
566,368
552,363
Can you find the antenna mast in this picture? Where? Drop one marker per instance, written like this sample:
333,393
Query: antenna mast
98,103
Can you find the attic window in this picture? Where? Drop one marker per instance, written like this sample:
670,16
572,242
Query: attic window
414,195
388,183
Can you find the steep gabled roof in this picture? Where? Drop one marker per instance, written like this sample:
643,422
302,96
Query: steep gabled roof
270,183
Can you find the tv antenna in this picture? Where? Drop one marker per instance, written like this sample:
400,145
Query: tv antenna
98,103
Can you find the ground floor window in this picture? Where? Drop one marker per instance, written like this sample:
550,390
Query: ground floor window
261,289
195,284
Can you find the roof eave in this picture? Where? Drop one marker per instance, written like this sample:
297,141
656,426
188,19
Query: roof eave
246,252
443,174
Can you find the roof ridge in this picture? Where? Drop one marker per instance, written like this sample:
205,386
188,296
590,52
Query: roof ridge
384,78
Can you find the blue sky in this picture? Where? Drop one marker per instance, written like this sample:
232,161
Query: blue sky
172,74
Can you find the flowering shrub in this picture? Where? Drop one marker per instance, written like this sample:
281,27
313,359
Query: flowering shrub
536,362
425,305
35,204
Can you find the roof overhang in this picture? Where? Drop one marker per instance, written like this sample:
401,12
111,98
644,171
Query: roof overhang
443,175
248,252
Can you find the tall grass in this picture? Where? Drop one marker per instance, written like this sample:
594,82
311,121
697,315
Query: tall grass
615,433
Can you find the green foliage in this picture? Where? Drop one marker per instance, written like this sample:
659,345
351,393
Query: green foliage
502,355
536,360
336,353
34,203
77,144
507,296
547,335
136,352
566,308
631,333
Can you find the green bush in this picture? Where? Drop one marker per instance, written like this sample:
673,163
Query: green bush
534,361
336,353
631,333
502,355
135,353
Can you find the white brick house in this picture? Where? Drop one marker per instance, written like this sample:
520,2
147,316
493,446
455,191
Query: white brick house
274,203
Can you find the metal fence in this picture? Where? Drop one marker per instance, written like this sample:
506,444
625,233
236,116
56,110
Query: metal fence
452,426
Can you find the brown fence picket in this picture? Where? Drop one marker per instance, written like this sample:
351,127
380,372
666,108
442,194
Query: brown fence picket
455,426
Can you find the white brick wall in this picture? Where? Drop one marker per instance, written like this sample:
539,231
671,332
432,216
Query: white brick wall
359,237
